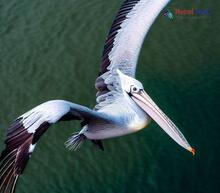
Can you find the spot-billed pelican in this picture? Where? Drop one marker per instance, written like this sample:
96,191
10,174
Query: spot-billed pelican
123,106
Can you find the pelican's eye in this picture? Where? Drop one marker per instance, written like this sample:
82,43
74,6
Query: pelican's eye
134,89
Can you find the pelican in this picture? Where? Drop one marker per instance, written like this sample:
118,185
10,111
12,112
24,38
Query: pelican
123,106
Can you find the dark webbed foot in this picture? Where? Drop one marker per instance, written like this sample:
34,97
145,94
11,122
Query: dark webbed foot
98,144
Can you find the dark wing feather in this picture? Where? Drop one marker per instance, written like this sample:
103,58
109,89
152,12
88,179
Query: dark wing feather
126,7
109,43
16,154
24,133
123,45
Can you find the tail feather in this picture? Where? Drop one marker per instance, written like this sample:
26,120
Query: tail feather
75,141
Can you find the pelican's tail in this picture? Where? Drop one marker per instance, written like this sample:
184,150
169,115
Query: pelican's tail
75,141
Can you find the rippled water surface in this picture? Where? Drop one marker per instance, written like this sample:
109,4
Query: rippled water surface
50,49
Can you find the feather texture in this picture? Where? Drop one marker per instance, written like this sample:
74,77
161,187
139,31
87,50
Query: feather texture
24,133
123,44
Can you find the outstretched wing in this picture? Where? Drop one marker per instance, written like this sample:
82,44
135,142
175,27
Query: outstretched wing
123,44
25,131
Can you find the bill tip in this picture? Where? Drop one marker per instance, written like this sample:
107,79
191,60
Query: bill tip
192,150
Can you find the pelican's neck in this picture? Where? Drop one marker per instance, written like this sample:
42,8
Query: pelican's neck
125,112
140,118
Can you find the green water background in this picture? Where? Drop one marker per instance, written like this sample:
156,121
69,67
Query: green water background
50,49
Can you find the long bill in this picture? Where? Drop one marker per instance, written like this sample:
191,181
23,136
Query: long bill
148,105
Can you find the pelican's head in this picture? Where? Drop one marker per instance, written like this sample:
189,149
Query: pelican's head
135,90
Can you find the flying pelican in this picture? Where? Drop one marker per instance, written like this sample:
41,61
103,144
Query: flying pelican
123,107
